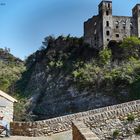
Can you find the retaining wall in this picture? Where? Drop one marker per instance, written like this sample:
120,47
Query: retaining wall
64,123
81,132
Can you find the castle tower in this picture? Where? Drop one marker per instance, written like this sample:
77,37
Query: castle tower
136,20
105,14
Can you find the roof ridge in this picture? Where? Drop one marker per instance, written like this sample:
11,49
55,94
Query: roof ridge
7,96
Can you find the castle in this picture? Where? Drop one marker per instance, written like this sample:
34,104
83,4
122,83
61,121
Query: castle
104,27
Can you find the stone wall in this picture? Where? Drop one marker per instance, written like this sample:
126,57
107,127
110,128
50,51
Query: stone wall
125,126
64,123
81,132
110,27
6,108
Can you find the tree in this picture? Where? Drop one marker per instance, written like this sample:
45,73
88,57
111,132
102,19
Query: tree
131,47
105,56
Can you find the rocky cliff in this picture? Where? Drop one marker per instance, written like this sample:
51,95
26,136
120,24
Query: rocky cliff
67,76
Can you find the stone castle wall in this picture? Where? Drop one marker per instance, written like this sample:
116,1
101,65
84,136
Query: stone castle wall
64,123
104,27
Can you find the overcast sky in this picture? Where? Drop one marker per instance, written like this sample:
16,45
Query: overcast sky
25,23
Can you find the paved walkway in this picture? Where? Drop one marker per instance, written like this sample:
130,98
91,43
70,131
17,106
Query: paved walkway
60,136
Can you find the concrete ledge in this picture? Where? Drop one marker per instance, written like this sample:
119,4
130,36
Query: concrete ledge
81,132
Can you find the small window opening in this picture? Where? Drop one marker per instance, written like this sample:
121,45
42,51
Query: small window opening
95,23
131,25
108,5
95,38
107,23
117,26
123,23
107,13
107,39
107,33
117,22
117,35
124,27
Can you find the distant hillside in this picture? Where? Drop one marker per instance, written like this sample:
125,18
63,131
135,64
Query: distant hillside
10,70
67,76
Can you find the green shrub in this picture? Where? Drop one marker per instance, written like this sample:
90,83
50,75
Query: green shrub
130,117
105,56
131,47
137,130
116,133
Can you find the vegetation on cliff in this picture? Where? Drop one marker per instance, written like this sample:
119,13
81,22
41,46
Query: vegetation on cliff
10,70
67,72
66,76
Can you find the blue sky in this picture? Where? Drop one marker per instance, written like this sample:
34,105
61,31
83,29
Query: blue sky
25,23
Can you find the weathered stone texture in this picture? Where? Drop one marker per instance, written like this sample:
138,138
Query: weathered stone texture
81,132
104,129
6,108
100,29
60,124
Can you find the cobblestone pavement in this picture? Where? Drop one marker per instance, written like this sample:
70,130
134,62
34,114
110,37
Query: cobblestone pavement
60,136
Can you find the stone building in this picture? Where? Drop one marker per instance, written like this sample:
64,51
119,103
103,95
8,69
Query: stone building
6,106
104,27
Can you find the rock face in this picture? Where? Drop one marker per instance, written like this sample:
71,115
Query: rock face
68,77
49,82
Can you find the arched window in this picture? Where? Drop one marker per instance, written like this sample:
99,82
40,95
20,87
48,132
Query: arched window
131,25
107,33
107,13
123,23
107,23
117,24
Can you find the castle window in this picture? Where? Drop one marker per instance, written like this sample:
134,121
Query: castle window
95,32
131,25
95,23
117,26
108,5
107,23
117,22
107,13
95,38
123,23
124,27
107,39
117,35
107,33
